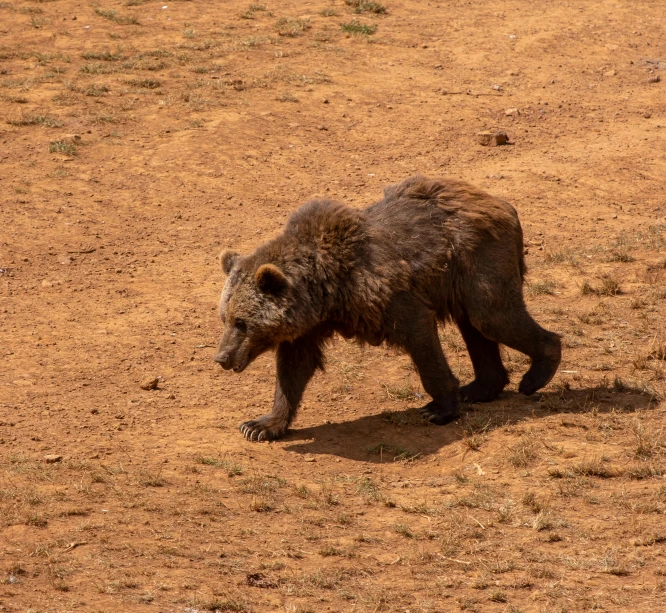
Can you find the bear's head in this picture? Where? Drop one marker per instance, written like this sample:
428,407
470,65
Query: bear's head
253,309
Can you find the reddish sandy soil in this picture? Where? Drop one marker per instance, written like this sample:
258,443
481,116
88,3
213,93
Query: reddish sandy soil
139,139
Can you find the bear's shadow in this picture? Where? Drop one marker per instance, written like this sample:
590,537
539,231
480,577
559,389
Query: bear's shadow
404,435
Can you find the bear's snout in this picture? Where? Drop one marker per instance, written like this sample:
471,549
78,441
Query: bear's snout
223,359
230,360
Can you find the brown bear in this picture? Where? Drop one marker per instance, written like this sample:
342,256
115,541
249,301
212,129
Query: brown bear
429,251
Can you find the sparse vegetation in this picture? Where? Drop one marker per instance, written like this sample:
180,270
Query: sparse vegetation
64,147
356,28
609,286
36,120
286,97
404,392
232,468
144,83
621,256
524,453
544,287
97,68
253,9
96,91
403,530
594,468
366,6
112,15
392,452
104,56
291,28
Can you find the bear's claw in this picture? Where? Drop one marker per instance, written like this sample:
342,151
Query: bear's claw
437,414
261,429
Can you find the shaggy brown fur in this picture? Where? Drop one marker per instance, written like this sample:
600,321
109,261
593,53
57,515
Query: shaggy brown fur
429,251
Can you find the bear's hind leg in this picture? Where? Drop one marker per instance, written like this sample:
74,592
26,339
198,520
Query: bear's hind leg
515,328
490,376
414,327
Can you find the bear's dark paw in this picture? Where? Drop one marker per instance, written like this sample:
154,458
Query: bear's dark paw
539,374
439,413
480,391
263,429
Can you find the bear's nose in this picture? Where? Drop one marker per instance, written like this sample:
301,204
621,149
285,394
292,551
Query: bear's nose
223,359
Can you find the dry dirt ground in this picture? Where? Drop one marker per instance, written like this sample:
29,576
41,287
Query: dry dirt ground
140,138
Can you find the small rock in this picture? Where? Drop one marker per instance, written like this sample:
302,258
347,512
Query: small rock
46,283
511,112
71,138
94,411
52,458
655,79
647,114
309,458
150,384
610,73
324,128
492,138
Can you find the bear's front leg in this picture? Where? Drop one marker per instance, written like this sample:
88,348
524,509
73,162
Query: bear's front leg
296,363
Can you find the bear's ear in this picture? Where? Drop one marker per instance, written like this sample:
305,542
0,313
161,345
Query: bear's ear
270,279
227,260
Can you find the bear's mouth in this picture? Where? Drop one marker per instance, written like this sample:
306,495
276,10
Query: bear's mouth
241,366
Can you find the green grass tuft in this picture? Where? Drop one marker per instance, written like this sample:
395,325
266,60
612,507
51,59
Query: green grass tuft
60,146
356,28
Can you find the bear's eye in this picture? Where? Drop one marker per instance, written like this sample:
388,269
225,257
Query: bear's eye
241,326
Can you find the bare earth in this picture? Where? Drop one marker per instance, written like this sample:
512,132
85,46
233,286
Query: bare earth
140,138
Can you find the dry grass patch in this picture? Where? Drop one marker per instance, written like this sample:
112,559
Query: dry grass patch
112,15
544,287
595,467
288,27
356,28
232,468
36,120
648,441
524,453
366,6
